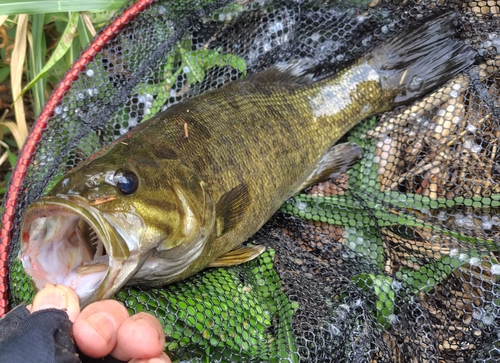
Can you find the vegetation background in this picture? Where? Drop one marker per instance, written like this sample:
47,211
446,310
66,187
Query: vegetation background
39,40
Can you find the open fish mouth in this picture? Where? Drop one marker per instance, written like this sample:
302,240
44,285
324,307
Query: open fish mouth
64,240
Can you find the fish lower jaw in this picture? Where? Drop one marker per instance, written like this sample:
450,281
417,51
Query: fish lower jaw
64,249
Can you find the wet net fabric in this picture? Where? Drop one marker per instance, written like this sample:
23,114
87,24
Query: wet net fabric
394,261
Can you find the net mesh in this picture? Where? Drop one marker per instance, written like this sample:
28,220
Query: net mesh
394,261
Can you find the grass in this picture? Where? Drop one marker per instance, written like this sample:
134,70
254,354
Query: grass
39,40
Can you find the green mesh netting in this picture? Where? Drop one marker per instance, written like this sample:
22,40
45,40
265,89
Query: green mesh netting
394,261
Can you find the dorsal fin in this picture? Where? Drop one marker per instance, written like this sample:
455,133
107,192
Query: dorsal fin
230,208
296,72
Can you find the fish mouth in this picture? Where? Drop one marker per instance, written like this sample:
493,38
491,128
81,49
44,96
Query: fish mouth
64,240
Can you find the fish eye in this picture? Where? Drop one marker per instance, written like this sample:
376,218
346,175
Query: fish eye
126,182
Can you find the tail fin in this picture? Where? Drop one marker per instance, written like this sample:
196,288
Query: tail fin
423,58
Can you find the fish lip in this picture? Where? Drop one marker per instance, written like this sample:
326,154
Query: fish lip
114,244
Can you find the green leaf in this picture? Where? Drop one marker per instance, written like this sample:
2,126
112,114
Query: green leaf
83,33
196,63
4,73
12,158
13,7
191,66
430,275
62,47
101,17
381,287
37,55
53,17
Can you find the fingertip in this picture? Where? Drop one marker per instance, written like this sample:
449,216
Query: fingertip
163,358
58,297
95,329
140,336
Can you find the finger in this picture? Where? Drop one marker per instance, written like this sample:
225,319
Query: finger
163,358
140,336
58,297
95,329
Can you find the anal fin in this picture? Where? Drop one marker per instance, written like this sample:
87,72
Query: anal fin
239,255
338,159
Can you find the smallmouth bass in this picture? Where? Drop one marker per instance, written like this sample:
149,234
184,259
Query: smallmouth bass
183,190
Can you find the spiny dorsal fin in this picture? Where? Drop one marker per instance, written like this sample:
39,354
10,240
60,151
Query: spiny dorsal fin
338,159
239,255
230,208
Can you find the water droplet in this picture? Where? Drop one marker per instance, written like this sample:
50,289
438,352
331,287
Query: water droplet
81,96
396,285
477,314
471,128
475,261
495,269
487,225
416,83
344,306
476,148
89,73
334,330
58,110
315,37
487,44
488,318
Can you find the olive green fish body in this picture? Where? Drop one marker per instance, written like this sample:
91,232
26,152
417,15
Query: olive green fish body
187,187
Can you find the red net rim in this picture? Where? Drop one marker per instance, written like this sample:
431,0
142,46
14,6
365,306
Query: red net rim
28,150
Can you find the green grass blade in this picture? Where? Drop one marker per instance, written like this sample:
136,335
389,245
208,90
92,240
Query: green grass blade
83,34
53,6
62,47
3,18
37,55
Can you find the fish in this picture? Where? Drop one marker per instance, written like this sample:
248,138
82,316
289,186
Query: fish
182,191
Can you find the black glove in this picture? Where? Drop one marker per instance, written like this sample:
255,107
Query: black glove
42,337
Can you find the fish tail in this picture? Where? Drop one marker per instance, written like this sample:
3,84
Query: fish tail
423,58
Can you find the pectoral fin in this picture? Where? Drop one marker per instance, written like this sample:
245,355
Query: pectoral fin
338,159
231,208
239,255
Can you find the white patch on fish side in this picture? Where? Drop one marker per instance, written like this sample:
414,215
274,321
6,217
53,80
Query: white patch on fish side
333,98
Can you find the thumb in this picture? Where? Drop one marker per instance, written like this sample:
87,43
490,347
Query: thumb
58,297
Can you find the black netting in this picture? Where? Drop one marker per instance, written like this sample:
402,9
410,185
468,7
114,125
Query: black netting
395,260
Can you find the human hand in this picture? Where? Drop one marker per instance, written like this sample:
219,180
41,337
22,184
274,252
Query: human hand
105,327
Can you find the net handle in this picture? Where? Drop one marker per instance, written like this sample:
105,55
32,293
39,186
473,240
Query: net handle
35,135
